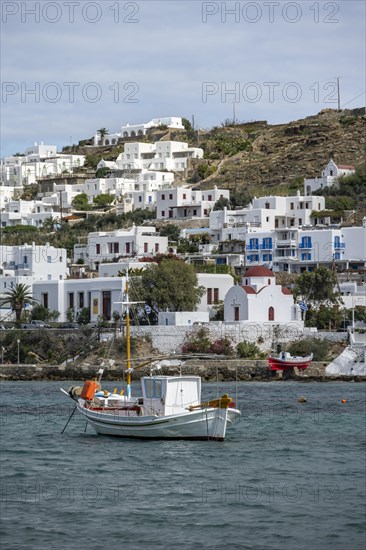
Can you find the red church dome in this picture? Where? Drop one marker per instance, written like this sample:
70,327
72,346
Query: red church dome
258,271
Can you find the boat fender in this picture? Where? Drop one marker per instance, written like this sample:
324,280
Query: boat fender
302,399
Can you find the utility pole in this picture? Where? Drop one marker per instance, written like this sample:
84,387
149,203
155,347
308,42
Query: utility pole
192,122
60,206
234,113
338,94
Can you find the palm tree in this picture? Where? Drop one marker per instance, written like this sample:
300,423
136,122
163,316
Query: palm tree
103,132
18,297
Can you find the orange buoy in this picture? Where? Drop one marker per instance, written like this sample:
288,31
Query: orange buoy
344,401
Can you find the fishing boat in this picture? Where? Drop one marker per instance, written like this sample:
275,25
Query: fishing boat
287,361
170,406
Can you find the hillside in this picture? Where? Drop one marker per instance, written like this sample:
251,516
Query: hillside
256,158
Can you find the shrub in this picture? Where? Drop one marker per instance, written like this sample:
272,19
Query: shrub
319,348
247,349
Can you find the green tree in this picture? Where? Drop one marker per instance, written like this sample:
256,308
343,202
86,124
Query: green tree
80,202
318,287
17,298
103,199
42,313
171,231
221,203
170,285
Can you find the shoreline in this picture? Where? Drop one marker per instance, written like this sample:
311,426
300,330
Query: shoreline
211,371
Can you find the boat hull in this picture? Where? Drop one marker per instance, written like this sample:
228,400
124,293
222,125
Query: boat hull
203,424
275,363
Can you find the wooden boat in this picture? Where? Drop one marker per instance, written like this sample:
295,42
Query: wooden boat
170,407
286,361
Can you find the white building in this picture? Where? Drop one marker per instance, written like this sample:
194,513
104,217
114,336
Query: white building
216,286
37,162
162,155
138,130
329,177
264,214
109,246
19,212
259,299
185,203
35,261
353,294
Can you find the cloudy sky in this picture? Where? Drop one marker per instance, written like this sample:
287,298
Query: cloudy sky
69,68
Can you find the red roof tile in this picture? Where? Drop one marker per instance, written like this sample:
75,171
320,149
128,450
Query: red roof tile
248,289
286,290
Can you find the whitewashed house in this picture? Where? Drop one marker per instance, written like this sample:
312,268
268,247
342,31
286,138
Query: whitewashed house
109,246
20,212
329,177
162,155
185,203
40,262
137,130
36,162
258,299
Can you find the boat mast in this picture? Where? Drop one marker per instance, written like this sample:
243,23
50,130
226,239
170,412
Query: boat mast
128,340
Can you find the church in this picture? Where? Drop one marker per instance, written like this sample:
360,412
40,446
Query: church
259,299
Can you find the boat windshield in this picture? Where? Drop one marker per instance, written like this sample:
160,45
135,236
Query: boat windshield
153,388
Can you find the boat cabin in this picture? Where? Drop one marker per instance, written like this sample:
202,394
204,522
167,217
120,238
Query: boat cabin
165,395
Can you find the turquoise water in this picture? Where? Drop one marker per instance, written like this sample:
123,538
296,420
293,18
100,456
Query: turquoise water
289,476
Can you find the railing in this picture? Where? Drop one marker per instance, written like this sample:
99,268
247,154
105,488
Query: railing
306,245
339,245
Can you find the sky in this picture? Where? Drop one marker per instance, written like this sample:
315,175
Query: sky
71,67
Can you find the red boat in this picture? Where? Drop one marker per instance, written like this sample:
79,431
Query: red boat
287,361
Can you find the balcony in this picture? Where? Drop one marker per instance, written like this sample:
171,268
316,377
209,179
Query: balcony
306,246
286,243
268,246
338,245
252,247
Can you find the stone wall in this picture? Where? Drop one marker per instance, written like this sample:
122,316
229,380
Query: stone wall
210,371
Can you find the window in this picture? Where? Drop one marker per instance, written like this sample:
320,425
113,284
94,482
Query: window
97,248
145,247
209,296
49,259
163,197
44,299
216,295
25,259
184,196
292,206
170,196
81,300
209,198
60,258
128,246
194,212
156,247
271,315
70,300
163,213
266,206
116,248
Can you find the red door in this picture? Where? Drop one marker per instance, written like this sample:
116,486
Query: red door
236,313
271,314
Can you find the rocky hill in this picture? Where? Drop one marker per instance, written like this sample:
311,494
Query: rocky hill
257,158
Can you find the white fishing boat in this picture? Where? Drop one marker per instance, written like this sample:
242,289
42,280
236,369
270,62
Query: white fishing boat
169,407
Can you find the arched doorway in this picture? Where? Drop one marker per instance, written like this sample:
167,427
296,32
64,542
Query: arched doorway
271,314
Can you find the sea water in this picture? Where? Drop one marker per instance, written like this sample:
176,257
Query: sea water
289,475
